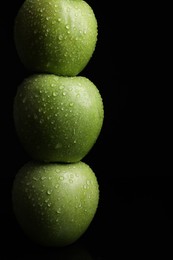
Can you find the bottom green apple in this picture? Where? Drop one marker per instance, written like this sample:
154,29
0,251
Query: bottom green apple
55,203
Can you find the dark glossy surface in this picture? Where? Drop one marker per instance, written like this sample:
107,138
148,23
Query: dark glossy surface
132,157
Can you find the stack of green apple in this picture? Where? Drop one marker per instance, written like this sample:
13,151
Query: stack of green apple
58,117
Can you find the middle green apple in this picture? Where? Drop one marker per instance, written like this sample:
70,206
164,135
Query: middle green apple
58,119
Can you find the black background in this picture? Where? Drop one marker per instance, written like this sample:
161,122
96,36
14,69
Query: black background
132,156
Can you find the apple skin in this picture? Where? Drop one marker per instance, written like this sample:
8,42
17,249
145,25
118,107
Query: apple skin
55,36
55,203
58,119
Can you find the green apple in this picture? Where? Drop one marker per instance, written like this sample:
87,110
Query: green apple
58,119
55,203
55,36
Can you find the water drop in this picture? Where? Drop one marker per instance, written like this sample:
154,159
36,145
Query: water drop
58,146
48,192
41,204
58,211
60,37
24,100
48,64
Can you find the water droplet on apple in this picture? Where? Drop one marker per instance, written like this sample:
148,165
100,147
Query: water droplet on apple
58,211
60,37
58,145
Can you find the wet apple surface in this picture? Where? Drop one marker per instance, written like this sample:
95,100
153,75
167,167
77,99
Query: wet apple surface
55,203
55,36
58,119
58,116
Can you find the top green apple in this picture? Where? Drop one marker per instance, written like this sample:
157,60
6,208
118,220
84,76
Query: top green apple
55,36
